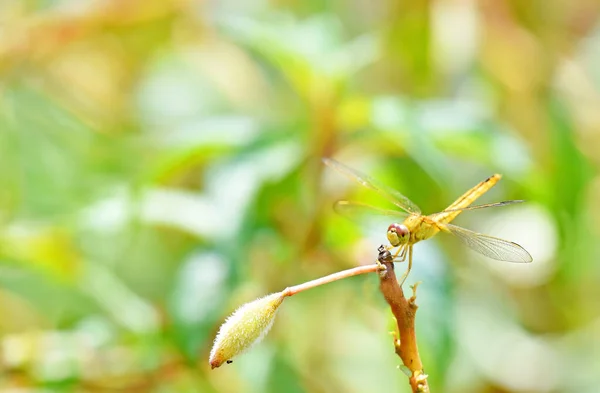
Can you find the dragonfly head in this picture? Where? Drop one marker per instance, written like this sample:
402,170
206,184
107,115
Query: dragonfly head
398,234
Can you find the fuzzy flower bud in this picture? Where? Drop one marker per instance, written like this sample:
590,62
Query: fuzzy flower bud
247,326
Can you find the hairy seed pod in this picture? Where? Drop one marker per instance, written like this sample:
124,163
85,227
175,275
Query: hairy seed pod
247,326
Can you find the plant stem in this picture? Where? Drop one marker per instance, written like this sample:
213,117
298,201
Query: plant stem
290,291
405,311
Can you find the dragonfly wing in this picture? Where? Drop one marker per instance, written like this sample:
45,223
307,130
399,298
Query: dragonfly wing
387,192
495,204
362,213
492,247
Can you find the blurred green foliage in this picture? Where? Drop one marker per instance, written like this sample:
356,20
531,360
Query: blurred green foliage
160,165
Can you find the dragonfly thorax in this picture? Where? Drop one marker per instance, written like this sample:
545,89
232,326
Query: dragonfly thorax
398,234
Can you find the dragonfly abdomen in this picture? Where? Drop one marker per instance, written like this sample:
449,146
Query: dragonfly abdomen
467,199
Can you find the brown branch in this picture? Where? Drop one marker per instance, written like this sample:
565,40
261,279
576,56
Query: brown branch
405,311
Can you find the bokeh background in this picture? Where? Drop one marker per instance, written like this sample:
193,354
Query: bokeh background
160,165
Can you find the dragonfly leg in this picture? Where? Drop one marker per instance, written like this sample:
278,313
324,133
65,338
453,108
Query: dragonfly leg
400,255
397,252
405,275
403,254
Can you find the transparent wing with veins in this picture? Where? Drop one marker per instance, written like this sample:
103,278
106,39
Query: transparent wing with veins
387,192
486,205
492,247
360,212
372,219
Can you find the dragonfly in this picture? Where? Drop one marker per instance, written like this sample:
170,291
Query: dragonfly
416,227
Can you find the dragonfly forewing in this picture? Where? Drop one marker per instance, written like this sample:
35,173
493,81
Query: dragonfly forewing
492,247
387,192
485,205
362,213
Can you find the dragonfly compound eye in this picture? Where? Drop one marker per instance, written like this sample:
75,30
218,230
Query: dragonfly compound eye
397,234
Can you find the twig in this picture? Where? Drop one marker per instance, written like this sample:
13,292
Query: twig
405,311
290,291
250,322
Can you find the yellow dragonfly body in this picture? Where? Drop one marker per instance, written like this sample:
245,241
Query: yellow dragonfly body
416,227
